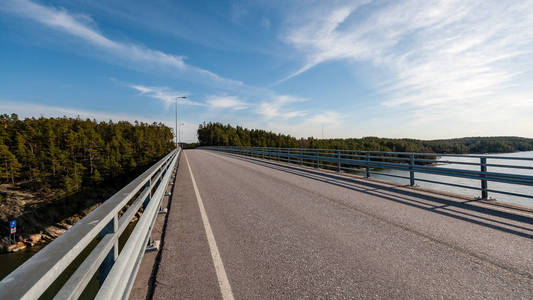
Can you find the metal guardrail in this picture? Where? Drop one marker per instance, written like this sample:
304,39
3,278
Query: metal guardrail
116,268
368,161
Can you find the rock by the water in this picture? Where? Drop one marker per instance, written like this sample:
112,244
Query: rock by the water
16,247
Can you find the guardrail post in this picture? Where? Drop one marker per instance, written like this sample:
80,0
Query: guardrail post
289,154
263,153
367,165
148,185
411,169
339,160
484,192
317,160
112,256
301,158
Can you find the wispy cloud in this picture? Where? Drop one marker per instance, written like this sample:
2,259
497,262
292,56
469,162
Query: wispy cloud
314,33
277,107
137,56
226,102
325,124
27,109
434,52
167,95
142,57
327,118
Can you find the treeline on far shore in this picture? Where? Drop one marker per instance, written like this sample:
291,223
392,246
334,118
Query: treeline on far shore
66,154
217,134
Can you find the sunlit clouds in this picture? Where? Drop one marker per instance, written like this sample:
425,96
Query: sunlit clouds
413,68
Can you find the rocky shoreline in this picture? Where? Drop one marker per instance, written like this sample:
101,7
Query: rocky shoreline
31,240
42,217
44,236
47,235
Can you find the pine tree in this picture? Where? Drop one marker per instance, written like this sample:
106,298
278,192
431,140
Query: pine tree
67,154
9,165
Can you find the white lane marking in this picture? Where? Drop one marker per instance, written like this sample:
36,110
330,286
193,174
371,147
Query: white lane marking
223,283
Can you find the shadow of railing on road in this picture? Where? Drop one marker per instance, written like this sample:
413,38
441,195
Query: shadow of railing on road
441,205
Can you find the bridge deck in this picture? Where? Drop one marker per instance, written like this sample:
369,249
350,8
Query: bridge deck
287,232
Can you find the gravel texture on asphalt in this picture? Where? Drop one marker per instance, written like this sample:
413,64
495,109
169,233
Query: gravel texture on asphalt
286,232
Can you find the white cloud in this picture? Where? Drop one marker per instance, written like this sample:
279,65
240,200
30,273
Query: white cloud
37,110
137,56
167,95
314,33
225,102
453,53
293,114
276,107
125,53
328,124
327,118
141,88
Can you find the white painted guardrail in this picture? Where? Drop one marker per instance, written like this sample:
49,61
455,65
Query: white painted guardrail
101,229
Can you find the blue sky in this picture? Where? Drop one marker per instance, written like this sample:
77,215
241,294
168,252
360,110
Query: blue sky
420,69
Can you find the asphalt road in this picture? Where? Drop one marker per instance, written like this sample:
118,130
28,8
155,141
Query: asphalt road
284,232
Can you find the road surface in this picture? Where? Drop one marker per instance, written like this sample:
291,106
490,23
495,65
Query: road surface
258,229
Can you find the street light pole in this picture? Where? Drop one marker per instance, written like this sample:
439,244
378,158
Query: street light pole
179,131
176,132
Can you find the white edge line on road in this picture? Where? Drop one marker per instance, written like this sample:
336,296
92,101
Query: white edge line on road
223,283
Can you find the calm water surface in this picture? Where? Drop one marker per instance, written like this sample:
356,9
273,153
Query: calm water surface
521,189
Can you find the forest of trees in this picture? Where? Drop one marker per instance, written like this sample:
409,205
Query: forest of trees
65,154
217,134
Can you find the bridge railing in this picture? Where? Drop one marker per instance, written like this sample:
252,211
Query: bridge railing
371,162
94,240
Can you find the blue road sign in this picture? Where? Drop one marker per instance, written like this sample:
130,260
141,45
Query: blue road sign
13,226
